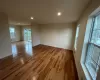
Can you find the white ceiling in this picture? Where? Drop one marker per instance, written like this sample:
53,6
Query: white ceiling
43,11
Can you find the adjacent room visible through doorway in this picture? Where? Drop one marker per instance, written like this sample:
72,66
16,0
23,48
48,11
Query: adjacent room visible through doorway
20,40
27,35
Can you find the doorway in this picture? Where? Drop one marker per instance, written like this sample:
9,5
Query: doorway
27,35
12,34
21,40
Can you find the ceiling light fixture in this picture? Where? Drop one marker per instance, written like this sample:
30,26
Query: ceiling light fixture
18,23
32,18
59,13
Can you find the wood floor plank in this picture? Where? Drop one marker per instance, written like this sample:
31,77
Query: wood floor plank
44,63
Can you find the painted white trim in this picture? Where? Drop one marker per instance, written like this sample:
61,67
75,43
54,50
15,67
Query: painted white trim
87,74
84,49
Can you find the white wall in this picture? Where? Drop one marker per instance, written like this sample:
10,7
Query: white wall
5,43
35,35
58,35
83,22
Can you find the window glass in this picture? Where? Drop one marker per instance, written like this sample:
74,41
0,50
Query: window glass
12,33
96,31
76,37
93,51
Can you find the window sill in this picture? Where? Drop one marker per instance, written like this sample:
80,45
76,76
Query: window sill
87,74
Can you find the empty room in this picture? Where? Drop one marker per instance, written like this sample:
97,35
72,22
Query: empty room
49,39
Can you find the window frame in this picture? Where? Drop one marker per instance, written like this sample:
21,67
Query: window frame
76,37
87,74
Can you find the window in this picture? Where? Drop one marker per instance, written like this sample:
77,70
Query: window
92,61
76,37
12,32
27,34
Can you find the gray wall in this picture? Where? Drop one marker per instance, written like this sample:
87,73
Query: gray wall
58,35
5,43
35,34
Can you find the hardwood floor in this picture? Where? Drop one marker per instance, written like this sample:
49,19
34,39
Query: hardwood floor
40,63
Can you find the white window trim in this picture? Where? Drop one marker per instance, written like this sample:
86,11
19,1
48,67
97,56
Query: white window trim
83,56
87,74
76,37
